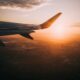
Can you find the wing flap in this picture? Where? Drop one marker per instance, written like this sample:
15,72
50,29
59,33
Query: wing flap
27,36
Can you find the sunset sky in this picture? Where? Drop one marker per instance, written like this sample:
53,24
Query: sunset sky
39,51
38,14
38,11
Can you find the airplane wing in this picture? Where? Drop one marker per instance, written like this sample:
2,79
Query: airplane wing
10,28
44,25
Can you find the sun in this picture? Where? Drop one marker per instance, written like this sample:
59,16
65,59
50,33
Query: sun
60,34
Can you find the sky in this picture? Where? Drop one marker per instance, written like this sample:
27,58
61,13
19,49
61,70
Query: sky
38,11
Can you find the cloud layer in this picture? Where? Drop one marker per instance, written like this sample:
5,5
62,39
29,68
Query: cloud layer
22,3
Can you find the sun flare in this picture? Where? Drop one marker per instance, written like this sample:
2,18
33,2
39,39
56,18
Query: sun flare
59,32
62,34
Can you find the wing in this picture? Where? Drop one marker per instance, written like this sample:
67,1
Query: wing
9,28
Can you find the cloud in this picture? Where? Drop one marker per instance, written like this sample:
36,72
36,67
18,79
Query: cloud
28,4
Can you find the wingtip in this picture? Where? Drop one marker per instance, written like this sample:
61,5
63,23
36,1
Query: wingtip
60,13
50,21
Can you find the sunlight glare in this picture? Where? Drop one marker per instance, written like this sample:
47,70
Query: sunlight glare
59,32
63,34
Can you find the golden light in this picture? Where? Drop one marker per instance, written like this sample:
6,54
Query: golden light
63,34
59,32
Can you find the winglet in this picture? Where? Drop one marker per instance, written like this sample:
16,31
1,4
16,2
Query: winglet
50,21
